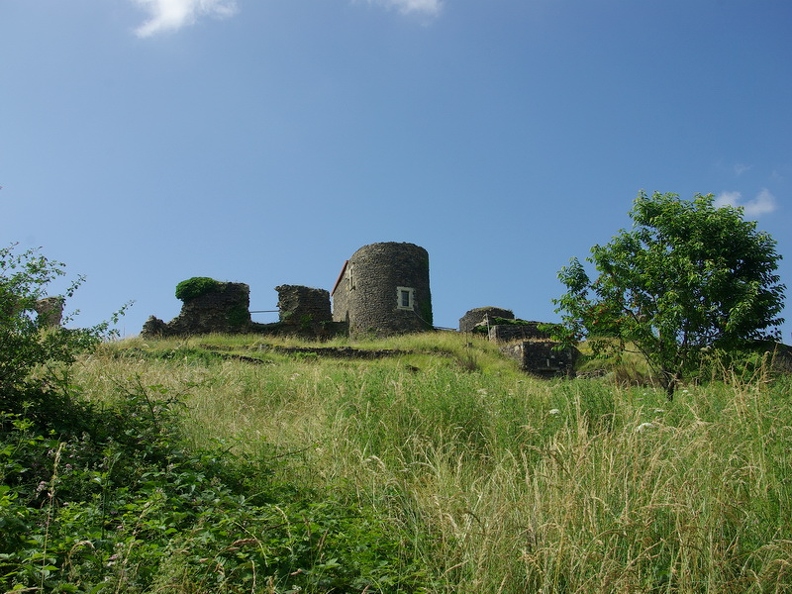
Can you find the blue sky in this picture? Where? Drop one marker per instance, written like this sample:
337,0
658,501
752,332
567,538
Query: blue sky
143,142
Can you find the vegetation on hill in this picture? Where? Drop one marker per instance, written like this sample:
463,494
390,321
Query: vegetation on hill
418,464
230,464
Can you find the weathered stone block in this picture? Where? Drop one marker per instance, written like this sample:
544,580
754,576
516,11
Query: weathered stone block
304,308
509,332
480,315
542,357
223,309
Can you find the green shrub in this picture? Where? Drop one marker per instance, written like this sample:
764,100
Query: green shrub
195,287
27,344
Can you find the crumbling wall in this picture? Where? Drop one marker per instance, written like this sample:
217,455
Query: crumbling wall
542,357
521,331
304,308
533,348
479,315
223,309
781,358
50,311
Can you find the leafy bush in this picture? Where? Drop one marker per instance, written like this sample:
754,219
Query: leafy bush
195,287
34,357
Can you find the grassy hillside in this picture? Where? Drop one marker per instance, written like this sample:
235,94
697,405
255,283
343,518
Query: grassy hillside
423,463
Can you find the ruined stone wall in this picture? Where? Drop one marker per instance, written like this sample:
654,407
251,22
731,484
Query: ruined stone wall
303,307
780,358
50,311
476,316
367,294
225,309
540,357
341,293
509,332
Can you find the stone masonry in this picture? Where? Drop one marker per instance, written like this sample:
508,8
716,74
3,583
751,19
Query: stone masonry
522,331
384,289
304,308
480,315
225,309
50,311
542,357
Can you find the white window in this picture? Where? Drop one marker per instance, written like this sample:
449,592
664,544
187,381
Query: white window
350,278
405,298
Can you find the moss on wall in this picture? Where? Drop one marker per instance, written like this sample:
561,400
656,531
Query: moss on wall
195,287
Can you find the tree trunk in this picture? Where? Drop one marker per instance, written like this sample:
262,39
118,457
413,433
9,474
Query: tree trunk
670,380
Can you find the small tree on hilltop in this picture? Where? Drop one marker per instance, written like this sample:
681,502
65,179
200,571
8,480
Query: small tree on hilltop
687,276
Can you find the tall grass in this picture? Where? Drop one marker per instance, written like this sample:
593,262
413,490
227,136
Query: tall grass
499,482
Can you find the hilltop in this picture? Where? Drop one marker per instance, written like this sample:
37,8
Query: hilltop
419,463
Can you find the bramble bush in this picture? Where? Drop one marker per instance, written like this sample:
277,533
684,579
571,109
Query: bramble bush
25,344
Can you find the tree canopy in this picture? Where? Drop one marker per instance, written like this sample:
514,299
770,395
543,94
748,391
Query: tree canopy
687,276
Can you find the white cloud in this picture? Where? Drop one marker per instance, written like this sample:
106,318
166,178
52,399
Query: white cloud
727,199
170,15
425,7
764,203
741,168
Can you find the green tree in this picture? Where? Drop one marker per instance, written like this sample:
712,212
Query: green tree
34,356
687,277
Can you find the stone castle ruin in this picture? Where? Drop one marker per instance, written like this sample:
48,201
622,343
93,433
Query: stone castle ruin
383,289
224,308
481,318
305,309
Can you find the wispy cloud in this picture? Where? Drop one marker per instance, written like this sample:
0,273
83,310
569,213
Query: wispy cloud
764,203
741,168
429,8
171,15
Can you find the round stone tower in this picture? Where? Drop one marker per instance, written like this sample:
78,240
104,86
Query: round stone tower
384,289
